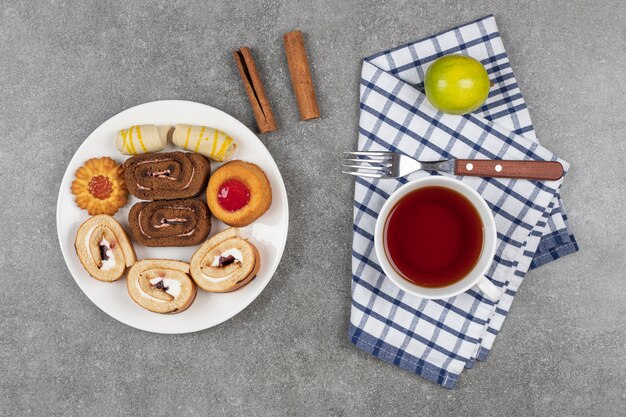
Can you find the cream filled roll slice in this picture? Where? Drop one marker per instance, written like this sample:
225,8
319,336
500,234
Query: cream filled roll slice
225,262
140,139
161,285
104,248
212,143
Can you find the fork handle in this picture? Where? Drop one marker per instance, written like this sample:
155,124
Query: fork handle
529,170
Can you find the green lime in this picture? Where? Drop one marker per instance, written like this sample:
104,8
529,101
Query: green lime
457,84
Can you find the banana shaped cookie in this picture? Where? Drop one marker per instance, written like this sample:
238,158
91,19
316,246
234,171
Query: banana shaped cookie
139,139
212,143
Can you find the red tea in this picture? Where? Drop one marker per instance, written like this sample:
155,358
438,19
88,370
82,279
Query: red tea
434,236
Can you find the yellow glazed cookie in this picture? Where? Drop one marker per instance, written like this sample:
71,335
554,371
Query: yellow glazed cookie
238,193
140,139
99,187
212,143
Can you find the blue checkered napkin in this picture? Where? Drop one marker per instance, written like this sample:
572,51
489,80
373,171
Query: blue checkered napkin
437,339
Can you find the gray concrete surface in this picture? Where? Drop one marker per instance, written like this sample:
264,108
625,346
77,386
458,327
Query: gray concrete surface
65,67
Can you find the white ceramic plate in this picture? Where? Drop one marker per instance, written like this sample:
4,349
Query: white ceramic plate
268,233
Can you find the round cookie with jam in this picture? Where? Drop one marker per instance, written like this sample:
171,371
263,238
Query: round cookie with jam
99,187
238,193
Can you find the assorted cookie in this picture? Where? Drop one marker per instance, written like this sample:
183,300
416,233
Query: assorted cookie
237,193
225,262
212,143
167,175
104,248
161,285
141,139
184,222
99,187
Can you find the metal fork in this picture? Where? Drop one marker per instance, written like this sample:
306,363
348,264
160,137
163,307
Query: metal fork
393,165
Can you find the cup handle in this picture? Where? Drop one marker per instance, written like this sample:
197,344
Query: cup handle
488,289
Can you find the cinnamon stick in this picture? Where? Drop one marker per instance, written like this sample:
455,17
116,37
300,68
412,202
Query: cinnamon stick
300,72
254,88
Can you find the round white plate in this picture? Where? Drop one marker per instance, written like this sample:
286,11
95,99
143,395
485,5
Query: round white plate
268,233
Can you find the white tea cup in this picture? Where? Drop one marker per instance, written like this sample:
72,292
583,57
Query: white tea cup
475,277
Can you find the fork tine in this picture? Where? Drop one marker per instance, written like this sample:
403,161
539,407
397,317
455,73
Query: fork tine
380,163
368,153
381,169
371,158
365,174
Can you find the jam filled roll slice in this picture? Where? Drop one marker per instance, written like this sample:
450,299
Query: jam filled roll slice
170,223
167,175
225,262
161,285
104,248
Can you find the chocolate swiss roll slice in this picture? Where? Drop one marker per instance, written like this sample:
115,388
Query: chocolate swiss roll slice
166,176
185,222
104,248
225,262
161,285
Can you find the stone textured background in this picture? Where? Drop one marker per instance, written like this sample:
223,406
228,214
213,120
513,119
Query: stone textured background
66,67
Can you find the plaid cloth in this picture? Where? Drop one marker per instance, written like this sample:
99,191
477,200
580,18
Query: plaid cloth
437,339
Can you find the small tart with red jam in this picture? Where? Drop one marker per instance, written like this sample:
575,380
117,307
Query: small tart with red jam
238,193
99,187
